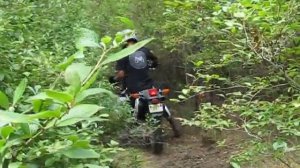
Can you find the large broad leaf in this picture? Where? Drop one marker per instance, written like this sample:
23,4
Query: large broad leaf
59,96
72,77
19,91
12,117
3,123
4,102
80,153
79,68
78,113
125,52
82,95
126,21
88,39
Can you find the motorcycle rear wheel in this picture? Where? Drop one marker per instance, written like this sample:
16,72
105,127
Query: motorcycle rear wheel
157,143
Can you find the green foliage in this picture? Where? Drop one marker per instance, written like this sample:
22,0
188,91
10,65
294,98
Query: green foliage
19,91
126,51
4,103
53,117
57,111
210,117
244,52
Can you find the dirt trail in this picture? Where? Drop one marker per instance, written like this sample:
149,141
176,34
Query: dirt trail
192,150
199,149
195,150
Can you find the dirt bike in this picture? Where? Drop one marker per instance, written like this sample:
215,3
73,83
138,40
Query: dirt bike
149,107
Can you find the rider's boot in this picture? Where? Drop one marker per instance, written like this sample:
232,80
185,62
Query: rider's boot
175,127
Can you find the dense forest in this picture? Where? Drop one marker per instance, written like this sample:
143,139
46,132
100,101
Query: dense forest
232,66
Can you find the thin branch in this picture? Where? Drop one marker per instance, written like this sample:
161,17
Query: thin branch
97,66
284,162
249,133
209,91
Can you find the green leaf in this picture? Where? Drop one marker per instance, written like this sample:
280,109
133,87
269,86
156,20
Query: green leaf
72,77
81,144
126,21
239,15
296,104
2,75
37,105
181,97
78,113
6,131
46,114
94,166
14,117
235,165
19,91
4,102
126,52
106,39
79,54
59,96
65,64
93,91
90,81
280,145
175,100
236,94
185,91
40,96
15,165
81,69
79,153
198,63
113,143
25,128
2,143
88,39
230,23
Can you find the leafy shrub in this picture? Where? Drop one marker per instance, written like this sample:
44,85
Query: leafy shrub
245,51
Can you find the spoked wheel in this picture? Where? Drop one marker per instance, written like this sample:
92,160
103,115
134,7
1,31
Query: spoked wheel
156,141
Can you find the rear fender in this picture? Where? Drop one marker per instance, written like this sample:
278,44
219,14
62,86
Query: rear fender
136,107
167,112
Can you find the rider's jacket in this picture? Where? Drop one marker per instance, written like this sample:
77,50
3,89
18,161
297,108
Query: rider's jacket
136,67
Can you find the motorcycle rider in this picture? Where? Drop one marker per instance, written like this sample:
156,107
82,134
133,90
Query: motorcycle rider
133,72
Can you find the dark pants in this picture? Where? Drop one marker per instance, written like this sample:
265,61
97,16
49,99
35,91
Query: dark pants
142,109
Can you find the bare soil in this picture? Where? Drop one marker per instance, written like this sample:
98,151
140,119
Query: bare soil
197,149
190,151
